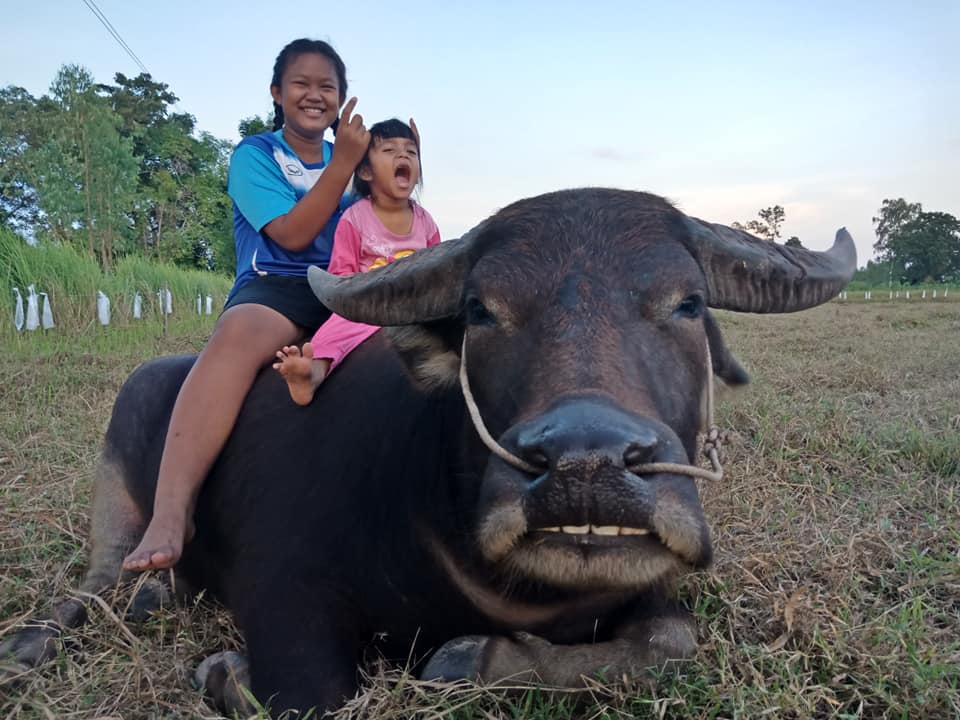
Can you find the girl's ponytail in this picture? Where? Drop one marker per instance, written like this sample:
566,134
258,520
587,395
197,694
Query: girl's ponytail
278,117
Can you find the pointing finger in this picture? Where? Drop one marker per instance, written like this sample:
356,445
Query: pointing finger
347,109
416,131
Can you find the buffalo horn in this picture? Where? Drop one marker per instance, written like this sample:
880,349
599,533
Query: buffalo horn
418,288
747,274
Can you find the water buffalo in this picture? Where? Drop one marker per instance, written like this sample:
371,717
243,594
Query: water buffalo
579,321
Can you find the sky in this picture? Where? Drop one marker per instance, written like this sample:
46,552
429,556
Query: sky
825,108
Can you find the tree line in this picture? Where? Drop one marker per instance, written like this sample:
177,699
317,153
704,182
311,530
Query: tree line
113,171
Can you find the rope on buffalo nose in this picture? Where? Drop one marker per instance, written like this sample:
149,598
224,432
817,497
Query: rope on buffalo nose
711,442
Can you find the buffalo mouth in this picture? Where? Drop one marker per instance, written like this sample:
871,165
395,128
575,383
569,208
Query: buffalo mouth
667,537
590,561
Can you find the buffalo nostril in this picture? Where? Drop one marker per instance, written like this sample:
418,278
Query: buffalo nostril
536,457
638,454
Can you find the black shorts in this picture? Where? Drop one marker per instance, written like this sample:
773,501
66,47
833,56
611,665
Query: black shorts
288,295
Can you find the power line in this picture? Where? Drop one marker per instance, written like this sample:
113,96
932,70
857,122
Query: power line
116,36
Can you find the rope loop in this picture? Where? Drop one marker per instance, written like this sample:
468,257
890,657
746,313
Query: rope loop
712,439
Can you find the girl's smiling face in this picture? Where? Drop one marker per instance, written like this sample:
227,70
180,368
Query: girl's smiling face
309,95
393,167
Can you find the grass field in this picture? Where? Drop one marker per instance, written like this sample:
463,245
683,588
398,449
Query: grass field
836,587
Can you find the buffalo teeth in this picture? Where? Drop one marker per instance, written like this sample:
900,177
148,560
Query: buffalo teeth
608,530
604,529
633,531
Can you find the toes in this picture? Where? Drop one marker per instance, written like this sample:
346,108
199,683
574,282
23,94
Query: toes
308,351
135,562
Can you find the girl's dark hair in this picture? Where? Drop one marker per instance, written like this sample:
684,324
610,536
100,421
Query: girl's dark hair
384,130
294,50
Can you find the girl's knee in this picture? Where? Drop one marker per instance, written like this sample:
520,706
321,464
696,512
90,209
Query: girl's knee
251,330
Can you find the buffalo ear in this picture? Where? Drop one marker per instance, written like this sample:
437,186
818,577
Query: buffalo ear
430,351
725,365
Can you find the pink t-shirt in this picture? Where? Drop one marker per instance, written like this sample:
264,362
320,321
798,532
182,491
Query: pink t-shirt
361,244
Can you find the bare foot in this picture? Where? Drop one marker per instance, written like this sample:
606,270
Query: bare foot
296,370
162,543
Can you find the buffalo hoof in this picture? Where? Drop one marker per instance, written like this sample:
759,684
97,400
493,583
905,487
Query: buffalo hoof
673,641
224,678
458,659
487,659
28,648
152,596
36,642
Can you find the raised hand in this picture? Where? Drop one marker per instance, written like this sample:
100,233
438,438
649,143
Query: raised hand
352,137
416,132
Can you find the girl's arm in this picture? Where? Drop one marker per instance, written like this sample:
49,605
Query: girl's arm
296,230
432,231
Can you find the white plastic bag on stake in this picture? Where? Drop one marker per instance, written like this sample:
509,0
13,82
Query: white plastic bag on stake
33,309
46,317
169,308
103,308
18,310
199,305
209,305
137,306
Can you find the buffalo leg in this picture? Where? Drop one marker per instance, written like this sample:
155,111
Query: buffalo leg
116,524
302,654
652,642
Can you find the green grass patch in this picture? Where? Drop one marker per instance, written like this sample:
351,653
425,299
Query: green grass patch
72,280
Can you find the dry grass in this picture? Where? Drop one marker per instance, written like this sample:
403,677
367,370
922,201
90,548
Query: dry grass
836,586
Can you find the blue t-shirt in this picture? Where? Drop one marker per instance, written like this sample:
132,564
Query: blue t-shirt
266,180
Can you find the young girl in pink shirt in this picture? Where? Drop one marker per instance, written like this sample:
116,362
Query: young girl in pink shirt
376,230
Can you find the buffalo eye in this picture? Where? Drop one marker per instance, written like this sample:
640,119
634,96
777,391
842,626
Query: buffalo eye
691,308
477,313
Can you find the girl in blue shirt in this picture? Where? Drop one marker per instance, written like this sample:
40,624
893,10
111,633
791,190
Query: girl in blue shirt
287,188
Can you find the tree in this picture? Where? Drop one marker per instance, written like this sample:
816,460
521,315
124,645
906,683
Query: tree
86,173
874,273
205,235
182,177
768,226
917,246
927,248
254,125
21,128
892,217
112,169
793,241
